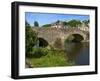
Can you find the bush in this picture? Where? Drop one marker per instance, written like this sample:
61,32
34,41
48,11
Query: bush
30,39
38,52
36,24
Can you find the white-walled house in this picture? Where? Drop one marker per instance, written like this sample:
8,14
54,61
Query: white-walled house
84,27
58,25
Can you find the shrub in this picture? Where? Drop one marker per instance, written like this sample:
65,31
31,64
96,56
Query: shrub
30,39
38,52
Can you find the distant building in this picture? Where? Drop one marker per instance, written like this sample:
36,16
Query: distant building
58,24
84,27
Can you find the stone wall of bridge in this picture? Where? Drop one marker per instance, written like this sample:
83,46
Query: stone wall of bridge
51,34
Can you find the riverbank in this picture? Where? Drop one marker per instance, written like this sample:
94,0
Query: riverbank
52,59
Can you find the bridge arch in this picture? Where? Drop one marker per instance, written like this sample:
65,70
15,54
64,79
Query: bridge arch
47,36
42,42
75,36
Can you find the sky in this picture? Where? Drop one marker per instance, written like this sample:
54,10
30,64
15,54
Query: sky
48,18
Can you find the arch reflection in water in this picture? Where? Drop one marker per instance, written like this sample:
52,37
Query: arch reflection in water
77,52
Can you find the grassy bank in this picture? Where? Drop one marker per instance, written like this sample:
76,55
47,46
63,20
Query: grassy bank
51,59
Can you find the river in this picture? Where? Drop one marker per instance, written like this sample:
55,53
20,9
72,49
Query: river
78,53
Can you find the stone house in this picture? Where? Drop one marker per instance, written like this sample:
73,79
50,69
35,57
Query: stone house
58,24
84,27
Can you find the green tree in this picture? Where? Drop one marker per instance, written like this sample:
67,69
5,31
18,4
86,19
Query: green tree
47,25
36,24
74,23
57,21
30,39
26,23
86,22
64,23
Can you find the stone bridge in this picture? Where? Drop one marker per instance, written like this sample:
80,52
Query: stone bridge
50,35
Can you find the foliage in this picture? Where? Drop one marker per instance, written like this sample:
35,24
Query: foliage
47,25
86,22
52,59
26,23
73,23
30,40
65,23
38,52
36,24
57,21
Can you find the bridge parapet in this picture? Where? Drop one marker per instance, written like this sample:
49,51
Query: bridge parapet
51,34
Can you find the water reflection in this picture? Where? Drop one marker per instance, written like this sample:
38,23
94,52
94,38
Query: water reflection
77,53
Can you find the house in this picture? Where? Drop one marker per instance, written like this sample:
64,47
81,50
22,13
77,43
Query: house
84,27
58,24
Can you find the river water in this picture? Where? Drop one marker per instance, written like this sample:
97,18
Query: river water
78,53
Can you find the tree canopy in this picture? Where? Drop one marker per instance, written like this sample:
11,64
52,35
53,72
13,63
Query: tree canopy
36,24
86,22
26,23
30,39
74,23
47,25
